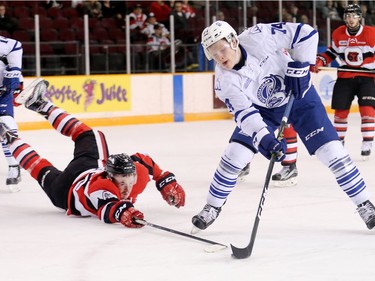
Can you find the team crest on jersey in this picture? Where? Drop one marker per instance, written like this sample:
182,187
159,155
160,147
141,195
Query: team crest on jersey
271,91
106,195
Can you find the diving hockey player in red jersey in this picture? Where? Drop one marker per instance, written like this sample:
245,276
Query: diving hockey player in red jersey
354,44
94,183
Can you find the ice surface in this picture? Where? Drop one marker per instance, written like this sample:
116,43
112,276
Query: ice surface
309,232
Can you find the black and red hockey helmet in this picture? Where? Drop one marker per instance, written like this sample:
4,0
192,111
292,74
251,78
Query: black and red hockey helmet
119,164
353,9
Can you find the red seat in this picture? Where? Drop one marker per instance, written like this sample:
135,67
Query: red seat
99,34
21,35
6,34
61,22
46,49
116,34
108,23
26,23
67,34
49,35
45,22
76,23
39,11
69,12
21,12
93,23
71,48
80,34
54,12
28,49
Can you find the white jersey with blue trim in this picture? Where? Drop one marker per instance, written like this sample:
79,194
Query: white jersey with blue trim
261,80
10,55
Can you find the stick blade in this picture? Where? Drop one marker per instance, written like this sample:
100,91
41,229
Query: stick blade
240,253
215,248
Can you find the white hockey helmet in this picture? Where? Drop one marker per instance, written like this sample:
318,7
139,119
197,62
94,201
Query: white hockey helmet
215,32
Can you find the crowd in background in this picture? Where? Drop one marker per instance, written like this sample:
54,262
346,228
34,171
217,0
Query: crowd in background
149,22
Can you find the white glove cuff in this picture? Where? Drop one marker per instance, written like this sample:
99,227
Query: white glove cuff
259,136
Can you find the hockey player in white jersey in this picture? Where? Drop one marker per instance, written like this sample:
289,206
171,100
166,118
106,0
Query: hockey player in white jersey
10,74
254,75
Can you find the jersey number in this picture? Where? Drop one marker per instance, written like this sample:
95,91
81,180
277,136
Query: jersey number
278,27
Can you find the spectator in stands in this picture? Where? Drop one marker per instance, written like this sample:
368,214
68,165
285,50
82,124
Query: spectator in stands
304,19
340,7
93,8
330,11
287,17
220,16
294,13
76,3
161,11
181,24
284,15
157,46
52,4
108,9
188,9
6,22
366,15
137,21
151,21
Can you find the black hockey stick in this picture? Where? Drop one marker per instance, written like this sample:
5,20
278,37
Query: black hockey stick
178,232
242,253
348,69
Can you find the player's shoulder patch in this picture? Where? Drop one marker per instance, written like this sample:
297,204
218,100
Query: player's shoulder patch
255,29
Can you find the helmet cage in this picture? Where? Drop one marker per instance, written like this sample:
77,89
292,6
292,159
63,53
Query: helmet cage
214,33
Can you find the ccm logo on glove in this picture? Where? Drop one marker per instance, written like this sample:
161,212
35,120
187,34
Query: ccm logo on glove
297,72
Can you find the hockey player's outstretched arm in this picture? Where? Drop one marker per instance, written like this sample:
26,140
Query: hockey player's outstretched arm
171,191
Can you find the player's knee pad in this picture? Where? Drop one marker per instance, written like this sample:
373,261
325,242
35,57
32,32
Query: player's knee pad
367,111
236,157
330,151
341,114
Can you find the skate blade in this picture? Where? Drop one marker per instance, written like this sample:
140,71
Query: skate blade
195,230
366,158
287,183
25,94
13,188
241,179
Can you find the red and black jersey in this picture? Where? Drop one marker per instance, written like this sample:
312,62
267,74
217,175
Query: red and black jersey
355,51
93,193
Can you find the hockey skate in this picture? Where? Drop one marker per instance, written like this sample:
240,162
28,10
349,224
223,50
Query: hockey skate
14,177
287,176
367,212
244,172
7,135
205,218
33,95
366,150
